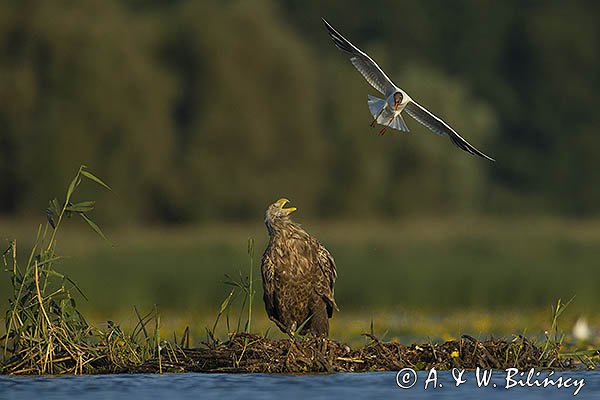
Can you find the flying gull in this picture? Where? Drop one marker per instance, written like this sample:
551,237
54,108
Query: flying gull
388,112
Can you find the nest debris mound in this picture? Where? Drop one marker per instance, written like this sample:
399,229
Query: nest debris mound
247,353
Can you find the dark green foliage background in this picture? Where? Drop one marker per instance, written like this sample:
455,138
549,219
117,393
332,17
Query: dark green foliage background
206,110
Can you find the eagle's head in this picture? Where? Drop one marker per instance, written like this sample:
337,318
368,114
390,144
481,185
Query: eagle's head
277,215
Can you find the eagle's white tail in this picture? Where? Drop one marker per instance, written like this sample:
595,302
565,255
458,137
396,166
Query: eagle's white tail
385,117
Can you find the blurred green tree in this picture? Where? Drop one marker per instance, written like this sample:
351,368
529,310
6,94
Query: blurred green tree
80,85
249,110
211,110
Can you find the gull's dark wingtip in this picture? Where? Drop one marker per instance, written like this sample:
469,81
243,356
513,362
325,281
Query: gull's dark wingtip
329,28
461,143
340,42
482,155
479,153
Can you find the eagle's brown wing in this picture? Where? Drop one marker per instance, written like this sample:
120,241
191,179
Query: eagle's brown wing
327,266
268,276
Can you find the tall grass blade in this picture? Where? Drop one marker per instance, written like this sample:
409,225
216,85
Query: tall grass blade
74,183
250,283
157,337
95,227
94,178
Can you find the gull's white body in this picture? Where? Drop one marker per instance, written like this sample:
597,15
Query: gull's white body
386,111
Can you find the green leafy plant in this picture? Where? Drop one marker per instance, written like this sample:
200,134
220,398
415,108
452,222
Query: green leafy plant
242,292
45,332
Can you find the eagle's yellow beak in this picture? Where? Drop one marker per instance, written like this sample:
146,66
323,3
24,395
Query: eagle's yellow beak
282,202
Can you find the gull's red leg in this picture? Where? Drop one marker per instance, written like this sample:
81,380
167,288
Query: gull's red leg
377,117
382,131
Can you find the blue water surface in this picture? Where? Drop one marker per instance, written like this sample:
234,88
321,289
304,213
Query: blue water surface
342,386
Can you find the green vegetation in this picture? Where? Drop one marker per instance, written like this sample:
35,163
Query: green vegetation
242,291
45,333
422,265
425,278
207,111
202,113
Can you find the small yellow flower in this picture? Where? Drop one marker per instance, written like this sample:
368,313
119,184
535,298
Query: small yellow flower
454,354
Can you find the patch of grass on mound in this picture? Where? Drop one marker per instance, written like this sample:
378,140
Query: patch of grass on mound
244,352
247,353
45,332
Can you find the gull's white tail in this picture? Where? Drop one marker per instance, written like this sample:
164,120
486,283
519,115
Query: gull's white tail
385,117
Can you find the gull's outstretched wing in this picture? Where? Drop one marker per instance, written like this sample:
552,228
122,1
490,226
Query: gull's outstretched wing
438,126
363,63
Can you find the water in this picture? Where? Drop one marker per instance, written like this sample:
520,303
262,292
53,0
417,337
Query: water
335,386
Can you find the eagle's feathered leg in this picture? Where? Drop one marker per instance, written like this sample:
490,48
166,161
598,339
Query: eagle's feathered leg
319,324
